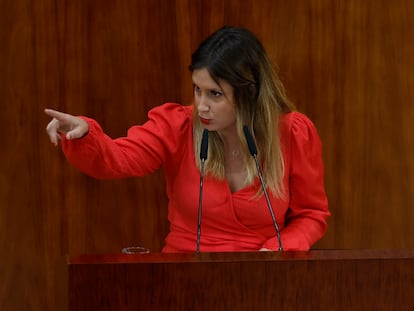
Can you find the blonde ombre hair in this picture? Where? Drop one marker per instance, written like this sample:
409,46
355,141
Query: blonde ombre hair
236,56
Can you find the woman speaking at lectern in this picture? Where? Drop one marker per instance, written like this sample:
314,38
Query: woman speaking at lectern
271,200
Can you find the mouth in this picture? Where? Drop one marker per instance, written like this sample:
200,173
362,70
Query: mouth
204,121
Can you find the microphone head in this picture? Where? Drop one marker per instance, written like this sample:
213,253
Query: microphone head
250,141
204,145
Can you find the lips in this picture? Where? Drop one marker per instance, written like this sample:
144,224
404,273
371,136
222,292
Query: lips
204,121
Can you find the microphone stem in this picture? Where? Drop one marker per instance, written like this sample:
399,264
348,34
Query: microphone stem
200,204
268,202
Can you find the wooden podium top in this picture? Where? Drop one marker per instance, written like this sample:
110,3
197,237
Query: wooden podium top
313,255
314,280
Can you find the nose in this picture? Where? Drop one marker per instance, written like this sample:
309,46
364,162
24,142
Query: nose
202,104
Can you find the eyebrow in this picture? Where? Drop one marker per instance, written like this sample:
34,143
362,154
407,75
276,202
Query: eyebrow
219,89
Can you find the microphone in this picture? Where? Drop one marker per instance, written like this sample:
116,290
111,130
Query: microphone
203,158
253,151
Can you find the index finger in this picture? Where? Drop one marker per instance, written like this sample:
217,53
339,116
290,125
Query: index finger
61,116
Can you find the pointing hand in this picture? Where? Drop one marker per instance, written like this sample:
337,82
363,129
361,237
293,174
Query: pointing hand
73,127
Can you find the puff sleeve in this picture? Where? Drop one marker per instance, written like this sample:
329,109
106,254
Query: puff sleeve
142,151
305,220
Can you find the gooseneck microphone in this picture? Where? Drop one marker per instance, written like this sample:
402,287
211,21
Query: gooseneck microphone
253,152
203,158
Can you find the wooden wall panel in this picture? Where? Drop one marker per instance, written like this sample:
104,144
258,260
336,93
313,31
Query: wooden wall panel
347,64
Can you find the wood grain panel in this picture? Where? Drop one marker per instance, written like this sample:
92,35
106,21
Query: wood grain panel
316,280
347,64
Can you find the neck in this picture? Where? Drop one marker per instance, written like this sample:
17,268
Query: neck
231,139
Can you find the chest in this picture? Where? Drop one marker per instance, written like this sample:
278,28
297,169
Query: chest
235,171
236,180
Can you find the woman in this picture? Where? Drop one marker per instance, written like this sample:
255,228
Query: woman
234,86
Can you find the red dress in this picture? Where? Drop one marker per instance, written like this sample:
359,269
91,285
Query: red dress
230,221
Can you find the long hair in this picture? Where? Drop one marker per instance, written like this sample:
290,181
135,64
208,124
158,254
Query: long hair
236,56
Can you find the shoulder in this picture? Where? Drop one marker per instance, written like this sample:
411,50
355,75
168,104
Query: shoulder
297,124
171,116
172,110
298,135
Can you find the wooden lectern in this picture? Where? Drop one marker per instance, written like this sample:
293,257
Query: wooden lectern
315,280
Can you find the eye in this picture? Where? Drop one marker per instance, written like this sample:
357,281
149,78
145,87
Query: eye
197,89
216,93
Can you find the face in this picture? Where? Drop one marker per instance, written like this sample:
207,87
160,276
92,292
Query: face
214,102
